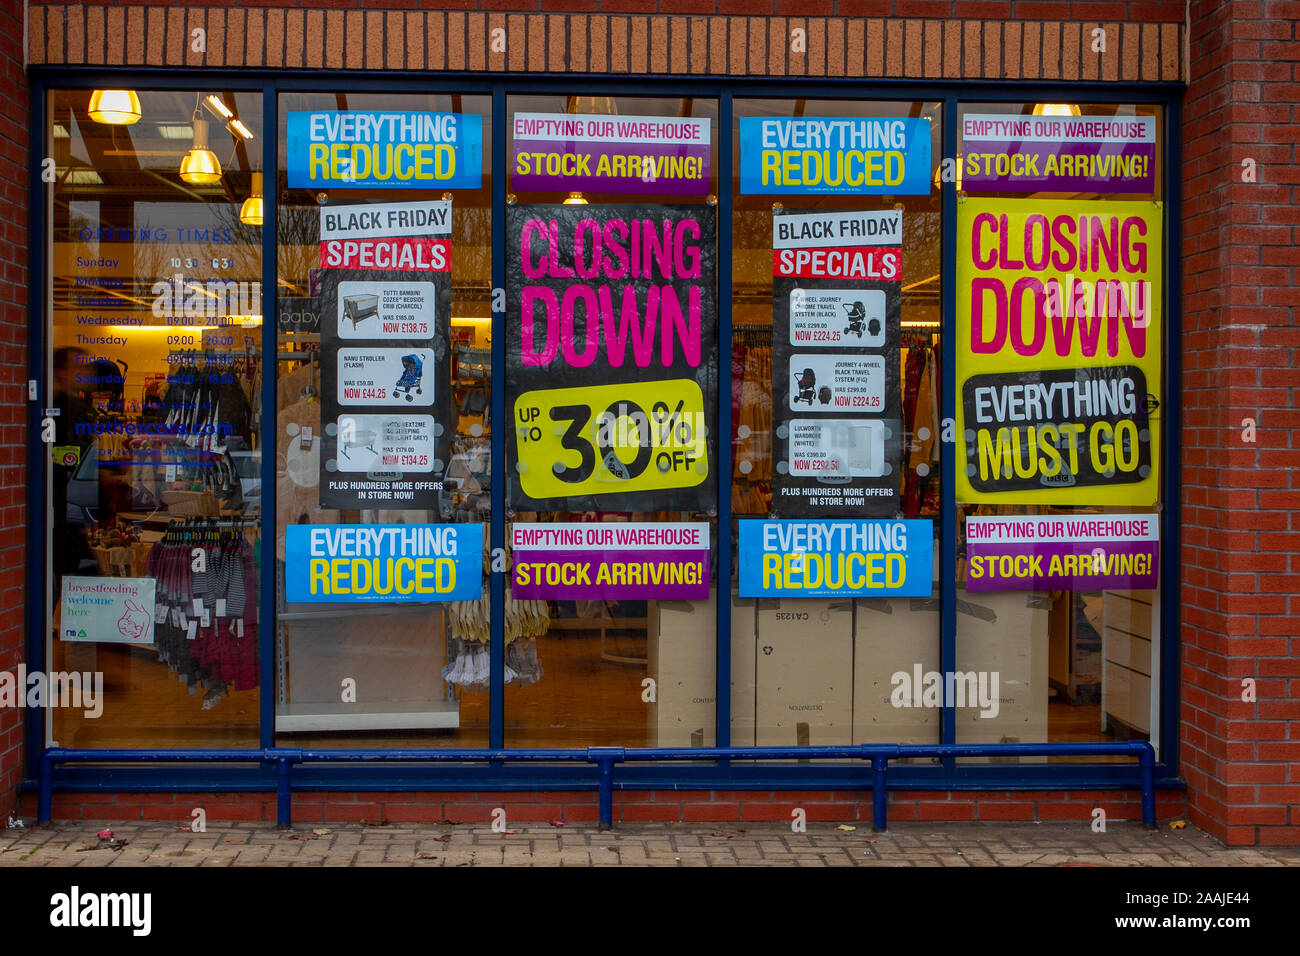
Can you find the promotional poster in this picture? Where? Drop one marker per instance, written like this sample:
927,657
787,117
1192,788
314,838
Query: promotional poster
611,561
351,564
1070,552
857,156
611,351
391,149
836,558
836,420
385,366
1027,154
1058,351
562,152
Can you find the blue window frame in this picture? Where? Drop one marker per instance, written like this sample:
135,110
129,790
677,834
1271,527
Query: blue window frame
501,769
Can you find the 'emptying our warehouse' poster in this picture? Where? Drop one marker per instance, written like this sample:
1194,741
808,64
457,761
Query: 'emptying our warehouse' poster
1081,552
611,351
1058,351
610,560
611,154
836,421
390,149
385,367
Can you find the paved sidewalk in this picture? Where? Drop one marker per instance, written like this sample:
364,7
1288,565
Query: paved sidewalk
656,844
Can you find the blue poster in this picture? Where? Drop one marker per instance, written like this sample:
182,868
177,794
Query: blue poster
816,559
390,150
853,155
360,563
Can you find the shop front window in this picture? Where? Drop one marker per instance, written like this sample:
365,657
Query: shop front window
611,388
836,365
383,425
155,312
1059,391
841,427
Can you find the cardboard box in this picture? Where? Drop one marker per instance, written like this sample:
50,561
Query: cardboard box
803,673
893,635
1007,633
744,650
682,651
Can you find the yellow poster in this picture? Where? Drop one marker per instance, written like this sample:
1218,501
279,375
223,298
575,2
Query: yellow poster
1058,351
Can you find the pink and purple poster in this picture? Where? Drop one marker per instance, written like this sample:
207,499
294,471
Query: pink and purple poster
603,560
1083,552
658,155
1003,153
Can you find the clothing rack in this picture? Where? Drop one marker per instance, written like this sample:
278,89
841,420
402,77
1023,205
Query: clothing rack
751,335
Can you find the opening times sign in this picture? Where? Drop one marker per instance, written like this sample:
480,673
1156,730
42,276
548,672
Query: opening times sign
835,339
385,324
1058,352
611,357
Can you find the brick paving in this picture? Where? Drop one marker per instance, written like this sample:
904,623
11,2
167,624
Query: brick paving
647,844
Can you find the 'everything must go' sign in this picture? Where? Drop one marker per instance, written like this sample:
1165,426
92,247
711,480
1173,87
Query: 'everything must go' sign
1058,351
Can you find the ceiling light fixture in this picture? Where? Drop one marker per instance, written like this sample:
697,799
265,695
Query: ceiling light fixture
200,166
1056,109
250,213
218,108
237,128
575,199
115,107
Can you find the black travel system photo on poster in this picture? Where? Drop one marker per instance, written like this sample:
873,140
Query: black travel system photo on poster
836,420
385,362
612,357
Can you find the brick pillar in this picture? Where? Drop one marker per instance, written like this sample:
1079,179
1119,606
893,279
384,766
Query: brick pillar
1241,461
14,100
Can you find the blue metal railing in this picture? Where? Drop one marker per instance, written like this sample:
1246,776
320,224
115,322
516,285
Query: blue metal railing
605,759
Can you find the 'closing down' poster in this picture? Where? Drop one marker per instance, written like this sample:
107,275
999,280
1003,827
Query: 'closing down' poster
1058,351
835,325
611,379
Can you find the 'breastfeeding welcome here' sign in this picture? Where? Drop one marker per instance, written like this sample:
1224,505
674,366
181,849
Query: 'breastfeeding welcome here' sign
346,149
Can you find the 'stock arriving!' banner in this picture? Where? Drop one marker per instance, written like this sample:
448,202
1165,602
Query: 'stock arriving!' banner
611,154
611,348
1058,351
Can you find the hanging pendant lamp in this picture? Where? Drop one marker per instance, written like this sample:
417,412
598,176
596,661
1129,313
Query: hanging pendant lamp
250,213
115,107
200,165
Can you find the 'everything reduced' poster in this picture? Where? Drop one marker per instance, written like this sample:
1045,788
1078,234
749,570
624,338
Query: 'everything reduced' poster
611,347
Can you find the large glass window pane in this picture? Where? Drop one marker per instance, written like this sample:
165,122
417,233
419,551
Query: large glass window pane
154,309
1059,377
836,304
383,419
611,386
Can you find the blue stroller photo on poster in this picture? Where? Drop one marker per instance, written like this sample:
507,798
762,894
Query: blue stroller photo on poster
412,376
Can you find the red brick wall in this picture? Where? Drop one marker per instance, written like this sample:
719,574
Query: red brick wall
1241,498
13,380
632,806
1142,41
1167,11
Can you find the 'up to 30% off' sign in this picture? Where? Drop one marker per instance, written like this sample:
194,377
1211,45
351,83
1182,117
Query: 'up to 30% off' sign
627,437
